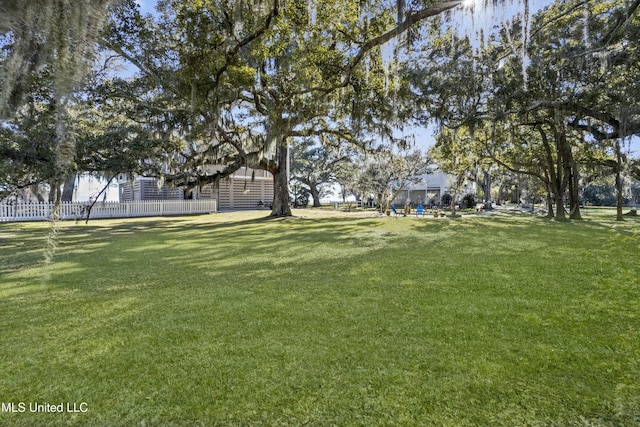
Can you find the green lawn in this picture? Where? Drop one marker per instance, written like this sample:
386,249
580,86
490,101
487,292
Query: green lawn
325,319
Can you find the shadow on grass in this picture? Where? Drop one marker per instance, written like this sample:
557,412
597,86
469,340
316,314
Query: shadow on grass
132,246
256,321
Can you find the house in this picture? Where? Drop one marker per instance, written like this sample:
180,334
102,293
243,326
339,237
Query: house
242,190
429,189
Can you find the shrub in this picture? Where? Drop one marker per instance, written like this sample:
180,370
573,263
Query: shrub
468,201
599,195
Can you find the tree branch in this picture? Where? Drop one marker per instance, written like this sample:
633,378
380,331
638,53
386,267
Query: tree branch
557,17
401,28
621,21
630,127
244,42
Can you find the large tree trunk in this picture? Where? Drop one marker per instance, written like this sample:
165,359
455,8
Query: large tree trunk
571,174
281,200
553,181
69,186
549,201
560,215
384,206
53,188
619,201
315,193
560,179
574,193
558,187
35,189
486,187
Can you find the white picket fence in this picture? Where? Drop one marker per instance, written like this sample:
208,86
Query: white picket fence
75,210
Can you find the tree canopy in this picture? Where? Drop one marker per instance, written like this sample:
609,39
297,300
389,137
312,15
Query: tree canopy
222,85
240,80
539,97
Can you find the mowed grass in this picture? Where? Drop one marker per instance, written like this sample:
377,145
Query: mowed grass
323,320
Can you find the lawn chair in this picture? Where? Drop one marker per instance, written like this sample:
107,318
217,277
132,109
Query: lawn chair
420,210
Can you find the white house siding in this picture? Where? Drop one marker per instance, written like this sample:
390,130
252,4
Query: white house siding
240,191
436,183
147,189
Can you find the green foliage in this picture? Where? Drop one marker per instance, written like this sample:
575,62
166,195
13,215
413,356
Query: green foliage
541,108
300,196
109,137
56,34
389,173
315,165
469,200
28,140
599,195
242,80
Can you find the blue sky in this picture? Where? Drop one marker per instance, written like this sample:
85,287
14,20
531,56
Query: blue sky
147,6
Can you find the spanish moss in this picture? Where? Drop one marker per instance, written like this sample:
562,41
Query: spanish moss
57,35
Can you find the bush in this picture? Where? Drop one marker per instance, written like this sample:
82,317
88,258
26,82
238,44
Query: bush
446,199
599,195
468,201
